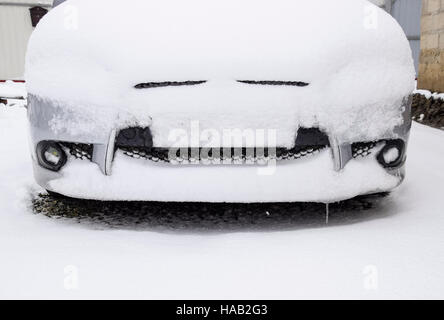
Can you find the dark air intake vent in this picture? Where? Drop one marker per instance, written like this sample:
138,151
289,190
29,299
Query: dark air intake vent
150,85
276,83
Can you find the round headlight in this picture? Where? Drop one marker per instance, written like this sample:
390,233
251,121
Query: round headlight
393,154
50,155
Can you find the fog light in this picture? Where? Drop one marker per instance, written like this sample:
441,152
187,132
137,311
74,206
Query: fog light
393,154
51,156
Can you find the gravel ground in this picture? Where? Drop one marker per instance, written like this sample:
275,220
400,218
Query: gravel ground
428,111
204,216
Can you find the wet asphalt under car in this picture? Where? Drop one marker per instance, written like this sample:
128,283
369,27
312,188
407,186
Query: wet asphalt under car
209,217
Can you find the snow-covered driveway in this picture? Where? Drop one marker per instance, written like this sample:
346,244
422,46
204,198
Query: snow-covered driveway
396,253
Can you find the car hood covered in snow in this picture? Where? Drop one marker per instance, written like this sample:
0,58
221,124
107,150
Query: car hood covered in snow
87,56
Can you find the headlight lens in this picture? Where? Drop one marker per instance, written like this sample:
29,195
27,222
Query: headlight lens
393,154
51,155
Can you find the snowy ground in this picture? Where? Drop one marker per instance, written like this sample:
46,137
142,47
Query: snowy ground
11,89
395,250
428,94
14,93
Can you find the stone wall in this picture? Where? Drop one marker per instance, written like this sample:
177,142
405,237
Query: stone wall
431,64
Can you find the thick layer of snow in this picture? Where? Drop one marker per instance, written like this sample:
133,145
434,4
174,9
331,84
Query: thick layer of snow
396,254
354,55
391,155
309,179
10,89
428,94
14,93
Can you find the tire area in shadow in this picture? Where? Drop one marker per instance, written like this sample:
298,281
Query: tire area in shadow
210,217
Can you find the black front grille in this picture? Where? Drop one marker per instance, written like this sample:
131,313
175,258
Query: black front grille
220,155
363,149
79,151
138,143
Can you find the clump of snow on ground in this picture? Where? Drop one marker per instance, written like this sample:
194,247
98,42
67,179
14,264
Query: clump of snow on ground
14,93
13,90
354,55
396,253
428,94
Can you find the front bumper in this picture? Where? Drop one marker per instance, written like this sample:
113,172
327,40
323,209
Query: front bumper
333,174
306,180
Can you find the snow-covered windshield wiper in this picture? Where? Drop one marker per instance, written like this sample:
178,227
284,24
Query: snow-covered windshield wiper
148,85
275,83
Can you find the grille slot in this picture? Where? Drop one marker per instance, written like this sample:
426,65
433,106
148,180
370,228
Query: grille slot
85,151
275,83
237,156
150,85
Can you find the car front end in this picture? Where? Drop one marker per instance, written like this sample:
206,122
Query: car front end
235,102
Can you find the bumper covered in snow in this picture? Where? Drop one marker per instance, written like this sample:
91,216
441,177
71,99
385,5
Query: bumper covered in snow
317,167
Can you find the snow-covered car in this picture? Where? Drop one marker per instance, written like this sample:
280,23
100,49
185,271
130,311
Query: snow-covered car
219,101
